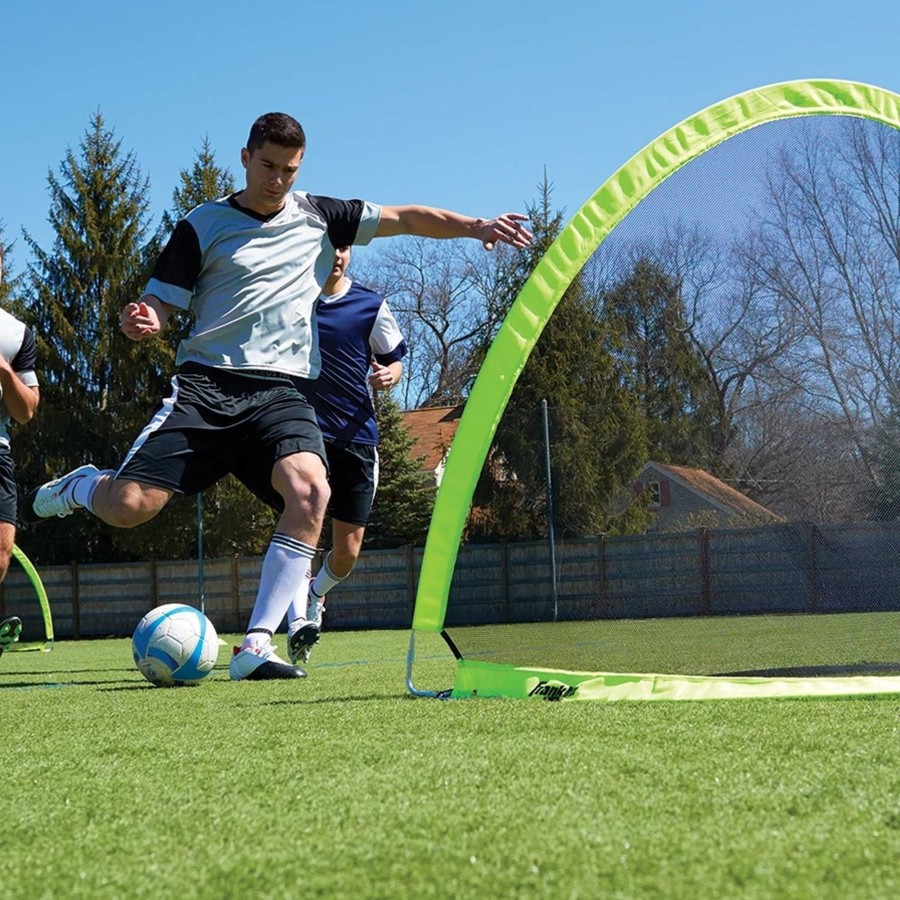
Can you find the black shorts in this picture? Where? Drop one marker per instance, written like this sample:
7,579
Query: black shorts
8,493
353,475
217,421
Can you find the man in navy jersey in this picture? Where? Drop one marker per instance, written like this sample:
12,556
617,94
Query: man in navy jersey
251,267
361,347
19,398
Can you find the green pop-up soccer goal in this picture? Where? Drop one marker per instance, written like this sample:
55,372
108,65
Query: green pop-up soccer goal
796,180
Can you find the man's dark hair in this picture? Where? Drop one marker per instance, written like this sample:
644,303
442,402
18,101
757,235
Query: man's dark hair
279,128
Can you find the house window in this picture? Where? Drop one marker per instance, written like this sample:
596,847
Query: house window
653,494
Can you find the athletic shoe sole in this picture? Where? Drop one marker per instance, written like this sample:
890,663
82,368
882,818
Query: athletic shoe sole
10,629
302,641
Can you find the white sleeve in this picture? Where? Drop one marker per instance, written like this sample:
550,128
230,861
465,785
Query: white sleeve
386,337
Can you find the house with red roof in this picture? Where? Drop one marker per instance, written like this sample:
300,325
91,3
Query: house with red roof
432,429
682,497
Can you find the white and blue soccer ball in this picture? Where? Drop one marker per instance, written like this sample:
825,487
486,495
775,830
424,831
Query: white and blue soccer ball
175,644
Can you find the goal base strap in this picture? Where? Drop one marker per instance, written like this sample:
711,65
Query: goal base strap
483,679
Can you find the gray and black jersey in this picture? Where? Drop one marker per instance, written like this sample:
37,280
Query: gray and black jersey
19,349
252,281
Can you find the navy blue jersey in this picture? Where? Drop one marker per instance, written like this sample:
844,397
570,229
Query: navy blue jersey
355,326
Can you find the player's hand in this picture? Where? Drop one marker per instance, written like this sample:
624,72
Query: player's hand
382,378
506,228
139,321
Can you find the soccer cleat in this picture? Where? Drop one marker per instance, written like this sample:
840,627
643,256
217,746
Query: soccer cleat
300,643
258,663
10,629
55,497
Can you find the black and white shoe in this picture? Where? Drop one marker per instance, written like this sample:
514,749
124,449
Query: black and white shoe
55,497
10,629
258,663
302,640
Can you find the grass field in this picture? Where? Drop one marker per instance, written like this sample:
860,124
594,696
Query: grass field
800,644
343,786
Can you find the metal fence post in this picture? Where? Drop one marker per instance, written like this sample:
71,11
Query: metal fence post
76,606
703,541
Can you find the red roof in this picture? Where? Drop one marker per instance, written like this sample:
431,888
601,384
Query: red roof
708,484
432,429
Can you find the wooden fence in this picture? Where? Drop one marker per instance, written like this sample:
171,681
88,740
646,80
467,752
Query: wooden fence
784,568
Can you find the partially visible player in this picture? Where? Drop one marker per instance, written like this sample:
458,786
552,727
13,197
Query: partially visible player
361,348
19,398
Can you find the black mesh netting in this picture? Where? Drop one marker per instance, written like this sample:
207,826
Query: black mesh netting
722,420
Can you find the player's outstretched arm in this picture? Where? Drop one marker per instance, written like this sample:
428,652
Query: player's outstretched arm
145,318
428,221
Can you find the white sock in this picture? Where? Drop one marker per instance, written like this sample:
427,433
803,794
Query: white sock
308,607
285,566
325,580
296,614
83,488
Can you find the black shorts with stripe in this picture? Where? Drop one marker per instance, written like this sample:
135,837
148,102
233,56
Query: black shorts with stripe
8,492
217,421
353,475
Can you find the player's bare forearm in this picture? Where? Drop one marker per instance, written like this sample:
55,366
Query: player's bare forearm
145,318
429,221
21,400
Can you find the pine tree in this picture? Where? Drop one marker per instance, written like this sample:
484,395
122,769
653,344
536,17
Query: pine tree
646,310
97,387
597,430
404,501
206,180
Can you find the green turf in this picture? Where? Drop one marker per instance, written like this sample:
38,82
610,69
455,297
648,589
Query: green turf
343,786
804,644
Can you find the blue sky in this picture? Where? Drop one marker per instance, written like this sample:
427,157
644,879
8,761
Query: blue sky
460,104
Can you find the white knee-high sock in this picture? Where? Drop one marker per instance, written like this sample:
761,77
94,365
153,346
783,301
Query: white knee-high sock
325,580
84,487
307,607
285,566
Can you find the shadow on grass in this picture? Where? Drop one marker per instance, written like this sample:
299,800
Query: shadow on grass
347,698
864,668
20,685
76,671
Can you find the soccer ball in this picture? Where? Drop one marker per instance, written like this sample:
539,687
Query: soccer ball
175,644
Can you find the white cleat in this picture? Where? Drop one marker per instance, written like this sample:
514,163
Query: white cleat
258,663
55,497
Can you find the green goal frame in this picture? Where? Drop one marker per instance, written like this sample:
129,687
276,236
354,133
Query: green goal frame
38,586
516,338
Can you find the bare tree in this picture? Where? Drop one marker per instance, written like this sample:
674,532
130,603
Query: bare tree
446,297
798,461
733,327
829,249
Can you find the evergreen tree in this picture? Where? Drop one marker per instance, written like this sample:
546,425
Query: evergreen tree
597,430
646,312
404,500
206,180
97,387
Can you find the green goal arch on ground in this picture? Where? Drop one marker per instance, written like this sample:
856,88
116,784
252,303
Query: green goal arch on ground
516,338
41,594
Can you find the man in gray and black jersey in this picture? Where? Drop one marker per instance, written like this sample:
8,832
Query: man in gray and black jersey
251,267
